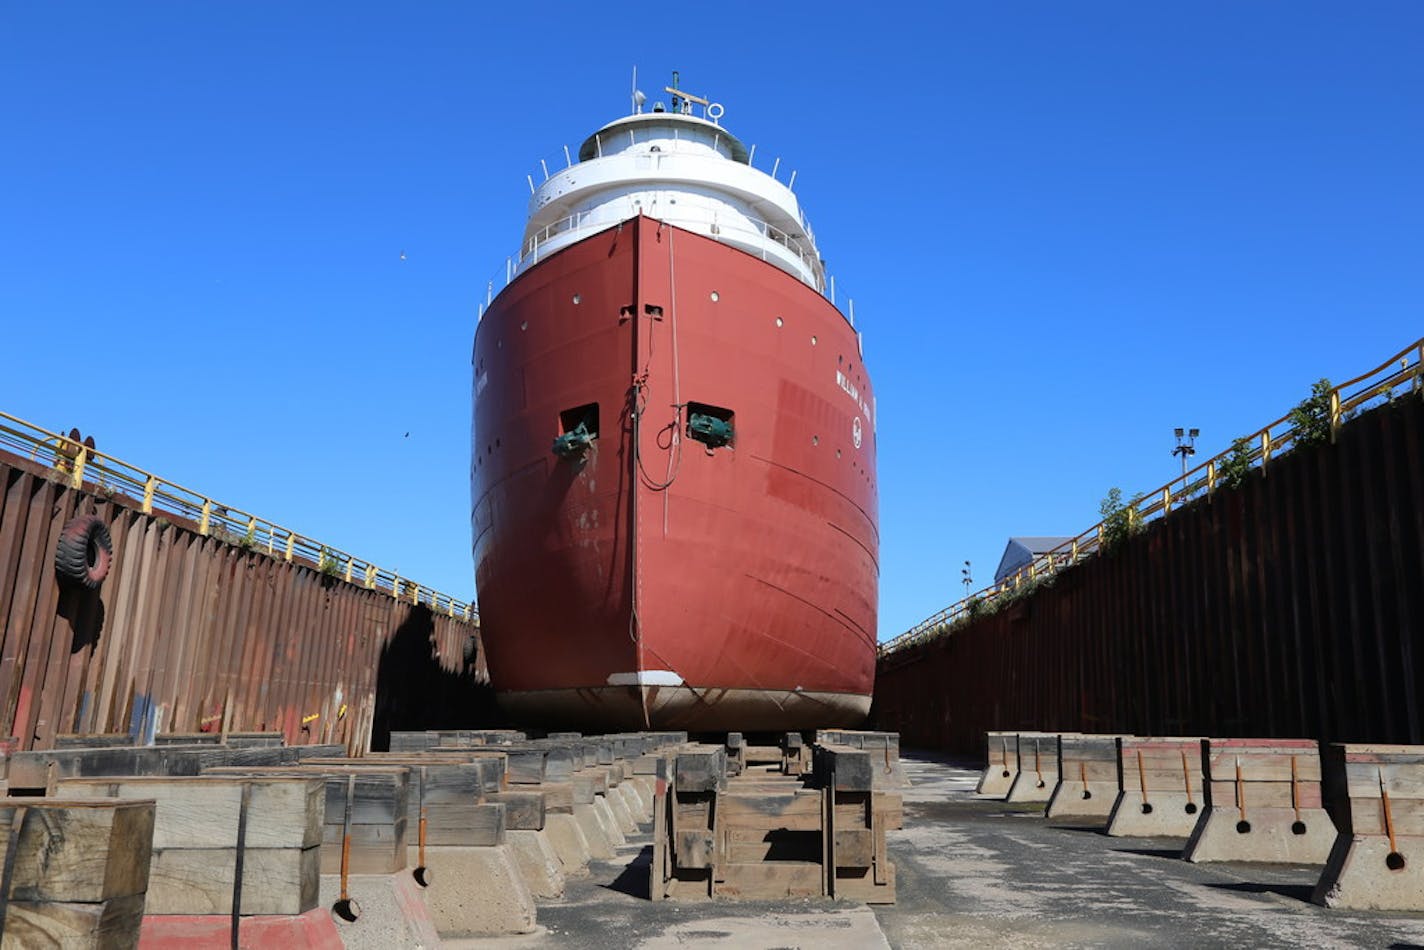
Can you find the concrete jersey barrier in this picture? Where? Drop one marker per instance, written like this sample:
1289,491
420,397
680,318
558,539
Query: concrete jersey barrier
1376,794
1160,787
1087,778
1263,803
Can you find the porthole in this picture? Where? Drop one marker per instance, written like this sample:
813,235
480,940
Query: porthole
815,440
838,453
813,339
577,300
715,296
779,321
524,325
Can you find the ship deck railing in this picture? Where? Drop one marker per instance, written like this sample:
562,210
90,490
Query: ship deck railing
1401,376
81,467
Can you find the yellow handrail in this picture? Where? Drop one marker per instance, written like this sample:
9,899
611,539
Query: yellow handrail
109,475
1404,368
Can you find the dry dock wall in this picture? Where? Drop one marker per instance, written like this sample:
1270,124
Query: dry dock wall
189,633
1291,605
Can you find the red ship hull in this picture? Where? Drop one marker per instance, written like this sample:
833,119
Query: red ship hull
652,582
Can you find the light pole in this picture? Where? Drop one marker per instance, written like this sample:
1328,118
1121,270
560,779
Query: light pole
968,581
1186,445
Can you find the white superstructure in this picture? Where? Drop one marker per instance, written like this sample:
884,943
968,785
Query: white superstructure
679,168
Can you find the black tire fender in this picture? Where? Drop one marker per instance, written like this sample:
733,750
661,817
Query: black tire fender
85,551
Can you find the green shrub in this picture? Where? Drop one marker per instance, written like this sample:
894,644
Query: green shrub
1311,418
1120,520
1237,465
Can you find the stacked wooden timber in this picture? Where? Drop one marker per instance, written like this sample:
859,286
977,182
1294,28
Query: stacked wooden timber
37,770
375,835
216,839
763,834
884,745
78,874
448,789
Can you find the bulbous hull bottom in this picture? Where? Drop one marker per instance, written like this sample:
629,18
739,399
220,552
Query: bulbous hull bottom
621,708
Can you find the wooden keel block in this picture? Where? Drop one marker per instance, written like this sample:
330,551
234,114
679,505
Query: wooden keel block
845,768
883,747
202,811
200,880
78,851
1002,764
523,810
1087,785
700,770
1376,795
112,923
1161,787
1263,803
379,808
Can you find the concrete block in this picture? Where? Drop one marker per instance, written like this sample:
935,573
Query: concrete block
609,822
618,805
1376,794
313,930
1161,787
1087,780
1360,875
1163,815
1037,774
1002,764
570,844
600,846
1263,801
478,892
634,802
1274,835
540,866
393,911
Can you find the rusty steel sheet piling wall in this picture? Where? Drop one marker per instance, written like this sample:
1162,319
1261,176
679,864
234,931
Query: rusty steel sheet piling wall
190,633
1289,606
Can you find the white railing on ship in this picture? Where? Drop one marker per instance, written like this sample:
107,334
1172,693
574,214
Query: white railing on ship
557,161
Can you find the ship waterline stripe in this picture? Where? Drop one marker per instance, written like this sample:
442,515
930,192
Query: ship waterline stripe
645,678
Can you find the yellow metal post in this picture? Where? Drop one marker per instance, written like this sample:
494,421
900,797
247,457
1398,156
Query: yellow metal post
76,478
1074,555
291,543
1211,476
1166,499
1265,449
149,487
205,517
370,576
1334,413
350,563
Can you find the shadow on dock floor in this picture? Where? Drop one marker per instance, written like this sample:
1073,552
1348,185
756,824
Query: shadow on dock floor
976,873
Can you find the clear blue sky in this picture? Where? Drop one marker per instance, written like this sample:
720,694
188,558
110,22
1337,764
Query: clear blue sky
1068,227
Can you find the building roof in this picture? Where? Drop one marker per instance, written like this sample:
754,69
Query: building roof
1022,550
